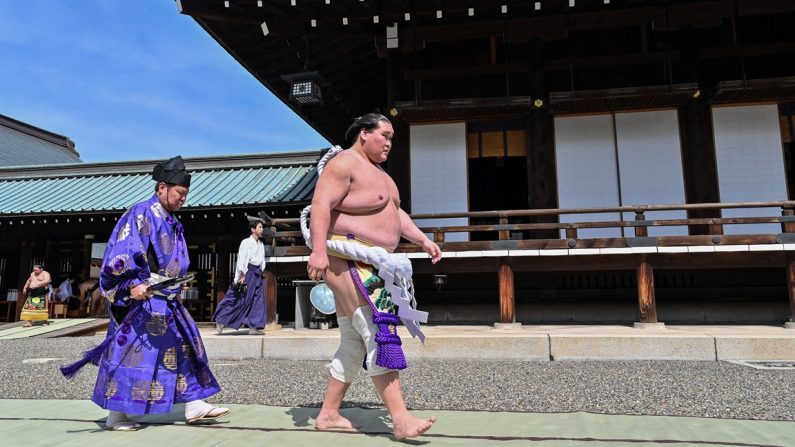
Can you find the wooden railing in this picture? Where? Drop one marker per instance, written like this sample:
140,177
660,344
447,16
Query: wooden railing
289,241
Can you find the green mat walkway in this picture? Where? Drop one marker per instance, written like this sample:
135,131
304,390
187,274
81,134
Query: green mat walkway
79,423
39,329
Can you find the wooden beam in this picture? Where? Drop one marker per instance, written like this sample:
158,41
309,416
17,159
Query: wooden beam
554,26
507,301
647,305
216,12
791,283
465,71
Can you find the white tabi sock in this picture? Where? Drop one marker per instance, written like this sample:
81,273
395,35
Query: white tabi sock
199,409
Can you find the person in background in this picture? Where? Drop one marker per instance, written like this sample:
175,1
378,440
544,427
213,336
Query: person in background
244,302
37,291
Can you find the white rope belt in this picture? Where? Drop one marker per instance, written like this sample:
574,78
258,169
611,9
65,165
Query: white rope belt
394,269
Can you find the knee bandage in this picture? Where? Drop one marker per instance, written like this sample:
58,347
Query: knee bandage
357,344
347,360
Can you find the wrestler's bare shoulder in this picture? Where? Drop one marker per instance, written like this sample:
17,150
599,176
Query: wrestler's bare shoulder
348,162
345,161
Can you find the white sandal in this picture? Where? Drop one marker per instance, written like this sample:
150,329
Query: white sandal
118,421
204,412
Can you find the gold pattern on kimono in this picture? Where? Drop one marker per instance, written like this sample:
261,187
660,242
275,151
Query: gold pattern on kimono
144,226
157,391
156,325
166,243
170,358
133,357
111,388
140,390
143,390
119,264
123,232
187,351
158,210
173,269
182,383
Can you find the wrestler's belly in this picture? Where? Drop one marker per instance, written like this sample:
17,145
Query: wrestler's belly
382,228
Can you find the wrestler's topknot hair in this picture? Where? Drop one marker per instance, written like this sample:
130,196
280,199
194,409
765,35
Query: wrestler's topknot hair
368,122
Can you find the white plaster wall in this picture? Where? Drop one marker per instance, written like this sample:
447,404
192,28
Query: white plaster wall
439,174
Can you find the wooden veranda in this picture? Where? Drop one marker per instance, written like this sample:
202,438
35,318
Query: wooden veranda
522,242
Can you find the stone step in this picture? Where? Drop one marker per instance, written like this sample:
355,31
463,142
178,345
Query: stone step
528,343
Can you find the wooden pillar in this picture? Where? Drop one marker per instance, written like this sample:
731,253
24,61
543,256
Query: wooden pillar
504,235
507,302
85,267
699,163
791,284
399,164
788,227
647,305
222,266
542,183
641,230
25,258
271,291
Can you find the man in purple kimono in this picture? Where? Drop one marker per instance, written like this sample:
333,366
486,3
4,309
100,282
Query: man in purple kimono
153,356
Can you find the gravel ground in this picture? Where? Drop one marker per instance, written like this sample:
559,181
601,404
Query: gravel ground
673,388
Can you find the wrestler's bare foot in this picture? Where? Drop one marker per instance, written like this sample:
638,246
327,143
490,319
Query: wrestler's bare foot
27,324
331,422
409,426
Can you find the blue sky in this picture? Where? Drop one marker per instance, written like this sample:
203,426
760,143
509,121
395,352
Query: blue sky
134,79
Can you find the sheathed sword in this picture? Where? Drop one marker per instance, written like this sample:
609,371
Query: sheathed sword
158,282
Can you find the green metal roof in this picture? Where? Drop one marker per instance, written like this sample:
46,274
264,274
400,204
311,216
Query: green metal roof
210,188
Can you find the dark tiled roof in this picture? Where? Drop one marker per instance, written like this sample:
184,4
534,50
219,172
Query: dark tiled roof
22,144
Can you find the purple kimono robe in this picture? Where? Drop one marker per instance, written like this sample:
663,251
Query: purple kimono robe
156,357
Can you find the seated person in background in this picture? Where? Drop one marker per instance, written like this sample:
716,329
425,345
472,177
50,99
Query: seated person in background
64,291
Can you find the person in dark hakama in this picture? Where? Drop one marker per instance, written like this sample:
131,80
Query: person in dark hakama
153,355
244,302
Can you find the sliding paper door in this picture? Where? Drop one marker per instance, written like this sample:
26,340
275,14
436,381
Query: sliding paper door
439,174
750,162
